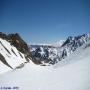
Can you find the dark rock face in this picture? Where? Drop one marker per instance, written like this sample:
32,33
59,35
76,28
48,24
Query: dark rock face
18,42
42,53
3,36
77,40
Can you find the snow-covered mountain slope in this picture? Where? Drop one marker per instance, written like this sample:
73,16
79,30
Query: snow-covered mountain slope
72,76
10,57
53,54
79,54
59,43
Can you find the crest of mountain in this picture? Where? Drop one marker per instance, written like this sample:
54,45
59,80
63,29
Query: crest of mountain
59,43
51,55
14,52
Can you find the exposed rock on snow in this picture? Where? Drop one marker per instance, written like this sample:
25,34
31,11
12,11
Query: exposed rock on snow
13,51
52,54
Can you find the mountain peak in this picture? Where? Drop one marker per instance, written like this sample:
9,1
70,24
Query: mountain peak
54,54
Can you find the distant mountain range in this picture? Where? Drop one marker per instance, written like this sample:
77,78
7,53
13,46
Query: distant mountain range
52,54
15,52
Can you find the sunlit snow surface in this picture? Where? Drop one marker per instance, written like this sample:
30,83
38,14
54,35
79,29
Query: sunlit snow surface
73,73
12,59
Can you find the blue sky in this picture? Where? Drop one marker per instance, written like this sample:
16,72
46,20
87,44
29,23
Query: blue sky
45,21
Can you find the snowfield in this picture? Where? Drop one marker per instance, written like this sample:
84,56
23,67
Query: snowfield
73,73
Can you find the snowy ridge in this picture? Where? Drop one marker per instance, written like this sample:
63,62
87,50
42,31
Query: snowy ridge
79,54
51,54
59,43
10,57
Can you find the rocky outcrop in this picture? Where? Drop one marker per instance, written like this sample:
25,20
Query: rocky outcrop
3,36
20,44
4,61
17,42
